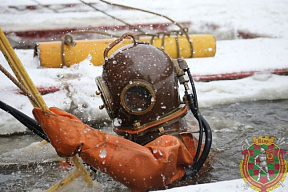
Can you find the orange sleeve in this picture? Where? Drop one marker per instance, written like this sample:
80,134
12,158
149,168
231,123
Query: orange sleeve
156,164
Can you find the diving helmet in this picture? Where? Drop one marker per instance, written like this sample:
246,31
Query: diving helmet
139,88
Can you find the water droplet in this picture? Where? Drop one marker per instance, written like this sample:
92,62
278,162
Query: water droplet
103,153
163,178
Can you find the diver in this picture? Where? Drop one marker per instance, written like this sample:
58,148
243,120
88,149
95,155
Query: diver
153,147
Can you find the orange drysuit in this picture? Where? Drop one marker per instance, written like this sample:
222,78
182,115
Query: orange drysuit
156,164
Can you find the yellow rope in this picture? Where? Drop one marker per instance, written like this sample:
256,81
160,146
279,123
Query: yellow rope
75,173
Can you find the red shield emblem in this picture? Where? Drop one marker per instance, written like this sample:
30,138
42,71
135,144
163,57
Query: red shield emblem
263,167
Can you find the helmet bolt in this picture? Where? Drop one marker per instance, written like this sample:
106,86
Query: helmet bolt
136,124
98,92
101,107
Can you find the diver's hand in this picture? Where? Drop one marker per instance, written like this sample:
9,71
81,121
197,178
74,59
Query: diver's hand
64,130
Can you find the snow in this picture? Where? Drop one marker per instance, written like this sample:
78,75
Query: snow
236,185
243,55
221,18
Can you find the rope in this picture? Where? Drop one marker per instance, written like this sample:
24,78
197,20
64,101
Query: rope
45,6
97,32
169,33
69,40
177,42
88,4
66,40
183,30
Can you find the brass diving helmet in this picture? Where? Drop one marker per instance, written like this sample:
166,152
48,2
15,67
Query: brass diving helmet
139,88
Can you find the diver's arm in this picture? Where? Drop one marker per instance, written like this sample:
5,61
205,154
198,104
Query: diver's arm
158,163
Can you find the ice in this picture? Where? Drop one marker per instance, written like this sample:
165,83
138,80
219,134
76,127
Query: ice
30,154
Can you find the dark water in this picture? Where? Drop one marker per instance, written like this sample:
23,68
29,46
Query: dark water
232,125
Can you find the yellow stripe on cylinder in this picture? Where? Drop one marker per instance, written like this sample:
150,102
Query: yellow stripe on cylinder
50,54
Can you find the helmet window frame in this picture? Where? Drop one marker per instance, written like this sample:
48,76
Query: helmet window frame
135,85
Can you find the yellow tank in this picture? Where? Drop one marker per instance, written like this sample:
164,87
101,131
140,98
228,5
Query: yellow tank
50,53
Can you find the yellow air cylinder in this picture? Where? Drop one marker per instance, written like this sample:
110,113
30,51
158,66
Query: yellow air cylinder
50,53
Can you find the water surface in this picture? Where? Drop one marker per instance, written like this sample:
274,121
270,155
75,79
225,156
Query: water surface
232,125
